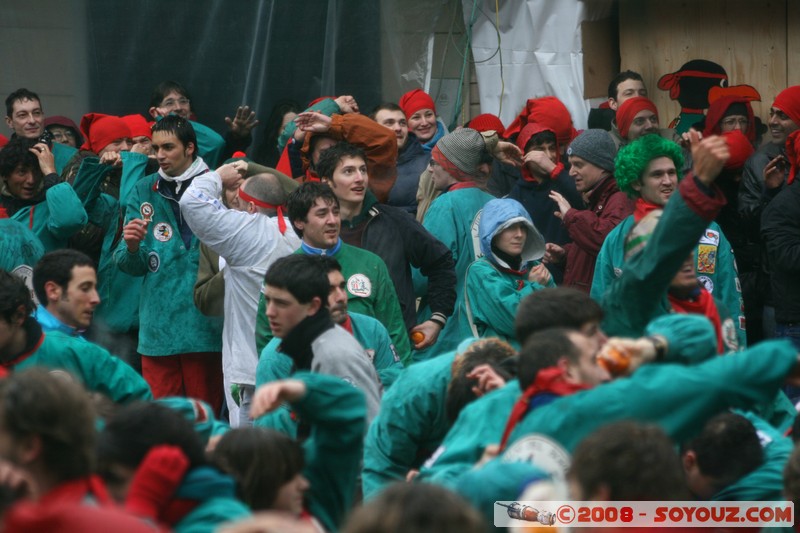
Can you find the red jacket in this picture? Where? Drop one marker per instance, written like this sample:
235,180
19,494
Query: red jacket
606,207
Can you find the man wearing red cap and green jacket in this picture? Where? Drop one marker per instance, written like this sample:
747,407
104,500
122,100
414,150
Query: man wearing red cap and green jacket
647,170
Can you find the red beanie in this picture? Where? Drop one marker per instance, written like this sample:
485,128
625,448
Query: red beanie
101,130
628,111
788,101
139,126
413,101
716,112
739,147
548,111
487,122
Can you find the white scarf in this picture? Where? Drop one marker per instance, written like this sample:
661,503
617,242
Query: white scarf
197,167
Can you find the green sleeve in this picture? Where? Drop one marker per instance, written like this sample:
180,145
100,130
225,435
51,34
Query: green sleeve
87,180
111,376
63,154
336,412
691,339
133,169
604,266
263,331
411,417
134,264
274,366
387,311
327,107
372,335
66,213
728,288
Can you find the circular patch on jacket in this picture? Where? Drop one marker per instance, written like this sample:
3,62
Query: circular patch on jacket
706,282
162,232
153,262
146,209
541,451
25,273
359,285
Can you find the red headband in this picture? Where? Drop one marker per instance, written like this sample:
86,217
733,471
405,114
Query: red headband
628,111
260,203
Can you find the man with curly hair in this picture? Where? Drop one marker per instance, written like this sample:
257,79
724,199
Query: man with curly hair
646,170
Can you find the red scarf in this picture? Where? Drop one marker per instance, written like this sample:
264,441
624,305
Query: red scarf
550,380
348,325
642,208
462,185
703,305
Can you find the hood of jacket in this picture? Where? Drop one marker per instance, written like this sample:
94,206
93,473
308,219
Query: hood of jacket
501,213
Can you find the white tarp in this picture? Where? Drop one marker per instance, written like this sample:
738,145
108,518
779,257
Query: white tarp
540,45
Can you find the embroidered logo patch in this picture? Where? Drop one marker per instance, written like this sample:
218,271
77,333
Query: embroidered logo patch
146,209
706,282
710,237
162,232
25,273
706,259
359,285
541,451
153,262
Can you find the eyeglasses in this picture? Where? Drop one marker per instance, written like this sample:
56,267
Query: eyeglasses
174,103
63,135
732,122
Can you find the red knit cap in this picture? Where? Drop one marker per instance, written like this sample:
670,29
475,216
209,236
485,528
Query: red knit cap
487,122
101,130
413,101
548,111
739,147
139,126
788,101
628,111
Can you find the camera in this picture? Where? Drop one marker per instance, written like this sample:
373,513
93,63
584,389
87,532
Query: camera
46,138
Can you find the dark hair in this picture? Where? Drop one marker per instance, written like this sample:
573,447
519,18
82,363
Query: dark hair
330,264
555,307
58,411
261,461
329,159
17,153
300,201
303,276
13,294
163,89
265,187
542,350
543,137
137,427
180,128
633,461
493,352
57,267
727,449
386,106
19,95
619,78
418,508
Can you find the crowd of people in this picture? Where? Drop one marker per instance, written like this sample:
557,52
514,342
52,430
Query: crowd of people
368,323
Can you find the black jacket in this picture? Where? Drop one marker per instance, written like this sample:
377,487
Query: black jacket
780,227
397,238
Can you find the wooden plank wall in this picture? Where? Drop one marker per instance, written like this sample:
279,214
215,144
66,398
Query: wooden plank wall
757,42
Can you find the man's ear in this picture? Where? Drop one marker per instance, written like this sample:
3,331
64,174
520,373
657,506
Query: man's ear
9,123
30,449
153,112
314,305
191,148
637,185
689,460
53,291
612,103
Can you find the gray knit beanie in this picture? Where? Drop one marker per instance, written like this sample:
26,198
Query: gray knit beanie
596,147
463,148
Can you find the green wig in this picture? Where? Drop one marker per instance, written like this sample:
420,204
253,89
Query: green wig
632,160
